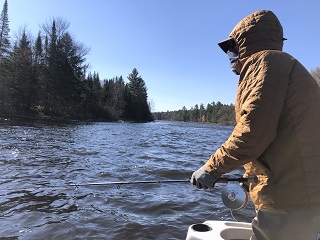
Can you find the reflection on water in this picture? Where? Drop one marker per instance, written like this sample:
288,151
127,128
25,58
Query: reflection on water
40,161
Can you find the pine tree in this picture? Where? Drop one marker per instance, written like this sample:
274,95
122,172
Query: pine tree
138,107
114,97
4,32
38,51
46,50
39,66
96,84
65,71
53,100
22,79
6,101
119,97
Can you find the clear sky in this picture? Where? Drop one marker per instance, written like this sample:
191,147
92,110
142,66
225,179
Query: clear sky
172,43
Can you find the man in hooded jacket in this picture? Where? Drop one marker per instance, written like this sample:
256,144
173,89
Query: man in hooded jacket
277,132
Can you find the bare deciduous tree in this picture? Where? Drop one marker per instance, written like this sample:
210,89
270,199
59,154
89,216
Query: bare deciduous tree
316,74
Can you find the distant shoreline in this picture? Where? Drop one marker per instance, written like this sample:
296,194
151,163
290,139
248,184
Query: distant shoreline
62,120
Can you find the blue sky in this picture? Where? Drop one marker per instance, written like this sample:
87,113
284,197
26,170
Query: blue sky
172,43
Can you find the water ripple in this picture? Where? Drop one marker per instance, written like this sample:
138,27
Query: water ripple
40,161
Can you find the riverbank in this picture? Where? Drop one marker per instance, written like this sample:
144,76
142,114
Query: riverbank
57,120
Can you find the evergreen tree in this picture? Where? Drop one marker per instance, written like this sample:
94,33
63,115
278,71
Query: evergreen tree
46,50
65,72
40,74
202,113
6,103
96,84
22,80
4,32
114,97
38,51
138,106
53,101
185,116
90,99
48,79
214,113
194,114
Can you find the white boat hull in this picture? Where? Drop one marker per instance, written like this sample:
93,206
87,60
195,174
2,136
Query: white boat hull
220,230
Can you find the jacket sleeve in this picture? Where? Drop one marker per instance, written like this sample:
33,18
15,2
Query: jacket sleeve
260,98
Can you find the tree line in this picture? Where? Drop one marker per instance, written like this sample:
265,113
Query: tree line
217,113
47,77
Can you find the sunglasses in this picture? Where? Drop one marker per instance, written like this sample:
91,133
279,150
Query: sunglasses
228,44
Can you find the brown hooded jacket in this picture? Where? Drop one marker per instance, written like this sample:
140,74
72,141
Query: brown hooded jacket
277,135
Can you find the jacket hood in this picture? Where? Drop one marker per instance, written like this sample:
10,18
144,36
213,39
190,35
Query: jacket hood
258,31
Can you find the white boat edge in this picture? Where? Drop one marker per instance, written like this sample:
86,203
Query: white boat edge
219,230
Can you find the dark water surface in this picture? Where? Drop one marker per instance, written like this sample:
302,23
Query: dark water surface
40,161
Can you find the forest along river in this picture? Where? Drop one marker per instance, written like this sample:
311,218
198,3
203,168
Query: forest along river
39,162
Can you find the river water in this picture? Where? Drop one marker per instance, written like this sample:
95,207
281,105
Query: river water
40,163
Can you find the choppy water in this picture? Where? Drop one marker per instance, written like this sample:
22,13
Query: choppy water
39,162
